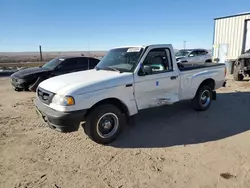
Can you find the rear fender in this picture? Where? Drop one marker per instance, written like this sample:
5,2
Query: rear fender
201,77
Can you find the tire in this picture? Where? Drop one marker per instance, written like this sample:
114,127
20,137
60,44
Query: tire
208,61
202,99
104,115
18,89
33,86
237,76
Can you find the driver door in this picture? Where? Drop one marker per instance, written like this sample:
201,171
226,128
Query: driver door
193,57
67,66
162,85
201,57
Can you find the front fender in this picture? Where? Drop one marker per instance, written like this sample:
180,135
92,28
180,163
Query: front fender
122,93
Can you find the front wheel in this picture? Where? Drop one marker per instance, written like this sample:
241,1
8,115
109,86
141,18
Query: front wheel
237,69
104,123
17,89
237,76
202,99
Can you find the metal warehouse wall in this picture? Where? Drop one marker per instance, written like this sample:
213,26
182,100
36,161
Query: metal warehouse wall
229,30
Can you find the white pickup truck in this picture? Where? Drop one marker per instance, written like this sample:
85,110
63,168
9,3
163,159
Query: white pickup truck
126,80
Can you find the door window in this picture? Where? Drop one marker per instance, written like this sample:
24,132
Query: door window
72,64
67,65
93,63
194,53
83,63
87,63
203,52
159,60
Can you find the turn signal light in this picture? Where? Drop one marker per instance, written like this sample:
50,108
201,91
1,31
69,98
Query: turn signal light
70,100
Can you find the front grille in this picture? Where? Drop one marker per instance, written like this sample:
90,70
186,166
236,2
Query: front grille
45,96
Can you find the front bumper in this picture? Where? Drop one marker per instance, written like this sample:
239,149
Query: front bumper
60,121
19,83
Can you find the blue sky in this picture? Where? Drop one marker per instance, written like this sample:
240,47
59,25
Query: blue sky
60,25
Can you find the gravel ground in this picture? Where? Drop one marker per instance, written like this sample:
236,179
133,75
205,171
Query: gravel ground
171,146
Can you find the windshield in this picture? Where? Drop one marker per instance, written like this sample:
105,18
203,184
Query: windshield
52,64
182,53
120,59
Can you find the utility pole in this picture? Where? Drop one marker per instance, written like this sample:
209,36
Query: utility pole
41,55
184,44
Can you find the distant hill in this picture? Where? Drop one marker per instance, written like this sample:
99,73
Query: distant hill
22,57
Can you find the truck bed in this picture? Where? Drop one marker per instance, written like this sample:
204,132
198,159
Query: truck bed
187,66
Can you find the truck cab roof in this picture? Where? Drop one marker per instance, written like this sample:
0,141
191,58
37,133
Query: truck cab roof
144,46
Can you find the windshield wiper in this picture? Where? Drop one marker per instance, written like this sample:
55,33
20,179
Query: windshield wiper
111,68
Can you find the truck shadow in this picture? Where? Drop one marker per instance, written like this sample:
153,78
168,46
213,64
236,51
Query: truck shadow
180,125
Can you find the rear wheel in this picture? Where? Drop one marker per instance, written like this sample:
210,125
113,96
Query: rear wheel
104,123
203,98
208,61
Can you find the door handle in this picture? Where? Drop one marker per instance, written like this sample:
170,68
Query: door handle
173,77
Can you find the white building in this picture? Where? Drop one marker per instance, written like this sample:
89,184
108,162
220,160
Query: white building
231,36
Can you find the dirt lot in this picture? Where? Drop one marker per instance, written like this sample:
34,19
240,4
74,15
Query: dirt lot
171,146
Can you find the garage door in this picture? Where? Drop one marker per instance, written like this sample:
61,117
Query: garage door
247,47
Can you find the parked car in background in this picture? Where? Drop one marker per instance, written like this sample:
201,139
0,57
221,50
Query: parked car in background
194,56
242,66
29,79
125,81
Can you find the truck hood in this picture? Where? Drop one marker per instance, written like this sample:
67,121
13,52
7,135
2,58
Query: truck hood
86,81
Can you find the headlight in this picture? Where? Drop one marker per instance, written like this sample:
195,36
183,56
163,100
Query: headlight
63,100
20,81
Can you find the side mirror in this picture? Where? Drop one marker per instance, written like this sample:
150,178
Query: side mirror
145,70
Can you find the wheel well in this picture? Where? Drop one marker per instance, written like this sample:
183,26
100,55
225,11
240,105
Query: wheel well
209,60
114,101
208,82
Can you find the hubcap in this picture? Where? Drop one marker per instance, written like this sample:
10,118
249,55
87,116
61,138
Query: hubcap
205,98
107,125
